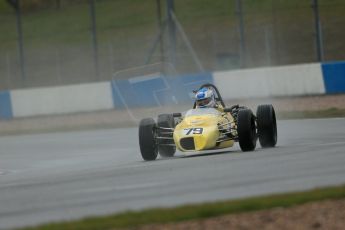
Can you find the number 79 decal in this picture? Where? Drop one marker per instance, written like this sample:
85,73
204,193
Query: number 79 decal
193,131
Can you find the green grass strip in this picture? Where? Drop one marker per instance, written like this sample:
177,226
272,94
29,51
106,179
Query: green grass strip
198,211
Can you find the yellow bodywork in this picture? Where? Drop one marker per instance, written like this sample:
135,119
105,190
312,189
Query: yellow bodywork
203,128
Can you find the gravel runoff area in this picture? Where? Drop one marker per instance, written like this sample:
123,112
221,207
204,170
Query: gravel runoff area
316,215
123,118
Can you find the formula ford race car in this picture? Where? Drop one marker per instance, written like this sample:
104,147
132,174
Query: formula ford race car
207,129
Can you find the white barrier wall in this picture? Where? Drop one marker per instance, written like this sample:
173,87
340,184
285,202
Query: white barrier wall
295,80
292,80
62,99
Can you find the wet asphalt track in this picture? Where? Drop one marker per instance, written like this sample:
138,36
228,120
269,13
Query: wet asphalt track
60,176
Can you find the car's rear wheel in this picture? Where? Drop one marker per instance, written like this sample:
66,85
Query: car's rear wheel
147,139
267,125
166,146
246,130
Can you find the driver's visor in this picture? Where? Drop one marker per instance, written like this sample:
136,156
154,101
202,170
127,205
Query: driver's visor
203,102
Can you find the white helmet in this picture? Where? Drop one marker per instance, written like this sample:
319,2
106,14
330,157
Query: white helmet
205,98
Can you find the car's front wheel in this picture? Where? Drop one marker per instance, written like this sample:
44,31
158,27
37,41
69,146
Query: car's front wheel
147,139
267,125
246,130
166,146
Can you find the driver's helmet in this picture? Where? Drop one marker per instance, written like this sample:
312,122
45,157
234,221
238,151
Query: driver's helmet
205,98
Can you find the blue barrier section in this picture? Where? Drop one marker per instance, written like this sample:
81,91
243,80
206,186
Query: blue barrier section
149,91
5,105
334,77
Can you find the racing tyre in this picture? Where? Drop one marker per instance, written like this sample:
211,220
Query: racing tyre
166,121
147,141
246,130
267,126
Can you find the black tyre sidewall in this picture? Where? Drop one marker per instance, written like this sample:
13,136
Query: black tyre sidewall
147,142
246,130
165,121
267,126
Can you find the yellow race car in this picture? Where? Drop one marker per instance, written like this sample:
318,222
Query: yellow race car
207,129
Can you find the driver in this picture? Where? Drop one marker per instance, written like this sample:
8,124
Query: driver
205,98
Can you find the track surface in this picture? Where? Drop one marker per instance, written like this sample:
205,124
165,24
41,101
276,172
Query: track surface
61,176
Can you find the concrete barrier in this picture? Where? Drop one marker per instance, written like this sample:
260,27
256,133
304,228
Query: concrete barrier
334,77
5,105
156,90
62,99
296,80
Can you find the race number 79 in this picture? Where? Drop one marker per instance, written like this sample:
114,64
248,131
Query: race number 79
193,131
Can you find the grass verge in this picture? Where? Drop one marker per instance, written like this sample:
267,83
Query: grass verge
198,211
